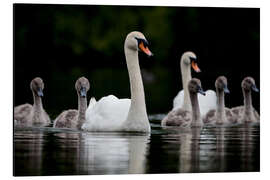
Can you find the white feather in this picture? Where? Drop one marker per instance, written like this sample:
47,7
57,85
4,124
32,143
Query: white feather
92,102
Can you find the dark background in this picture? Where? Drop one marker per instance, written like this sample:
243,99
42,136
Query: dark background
61,43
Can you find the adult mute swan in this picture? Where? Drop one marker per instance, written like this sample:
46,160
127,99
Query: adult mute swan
75,118
246,113
28,115
220,115
184,118
182,99
113,114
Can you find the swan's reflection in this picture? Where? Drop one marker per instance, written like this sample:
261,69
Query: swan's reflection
28,154
190,150
247,147
220,149
112,153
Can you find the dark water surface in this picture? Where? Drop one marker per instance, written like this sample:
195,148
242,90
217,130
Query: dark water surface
49,151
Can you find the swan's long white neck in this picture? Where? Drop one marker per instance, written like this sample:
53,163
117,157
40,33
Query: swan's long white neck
186,77
135,78
220,111
82,106
137,116
196,115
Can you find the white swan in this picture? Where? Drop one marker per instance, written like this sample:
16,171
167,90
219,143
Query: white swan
28,115
220,115
73,118
113,114
184,118
246,113
182,99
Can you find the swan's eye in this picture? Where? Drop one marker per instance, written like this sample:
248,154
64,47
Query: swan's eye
143,46
193,59
145,42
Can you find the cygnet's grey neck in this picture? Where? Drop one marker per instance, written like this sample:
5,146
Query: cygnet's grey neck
37,103
220,112
37,109
247,101
196,115
186,77
82,106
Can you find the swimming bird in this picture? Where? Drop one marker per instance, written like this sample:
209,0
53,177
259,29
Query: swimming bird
32,115
182,99
74,118
246,113
113,114
220,115
185,118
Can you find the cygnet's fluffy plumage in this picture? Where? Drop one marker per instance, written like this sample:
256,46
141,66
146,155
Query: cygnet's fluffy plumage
184,118
220,115
75,118
32,115
246,113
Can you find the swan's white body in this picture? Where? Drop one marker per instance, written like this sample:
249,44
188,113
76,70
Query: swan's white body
182,100
206,102
108,114
113,114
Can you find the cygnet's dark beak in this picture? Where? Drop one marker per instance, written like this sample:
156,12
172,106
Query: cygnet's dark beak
254,88
40,92
226,90
201,91
83,92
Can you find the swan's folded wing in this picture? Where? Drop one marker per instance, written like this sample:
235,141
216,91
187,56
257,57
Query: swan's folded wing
67,119
207,102
178,100
21,113
92,102
108,114
237,111
210,117
177,117
231,117
256,114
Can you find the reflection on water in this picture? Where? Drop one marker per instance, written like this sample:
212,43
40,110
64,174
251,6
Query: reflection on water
112,154
48,151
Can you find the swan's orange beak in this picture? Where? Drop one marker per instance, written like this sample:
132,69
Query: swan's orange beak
145,49
195,66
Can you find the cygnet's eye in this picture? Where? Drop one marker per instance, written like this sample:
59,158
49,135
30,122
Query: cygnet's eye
249,82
